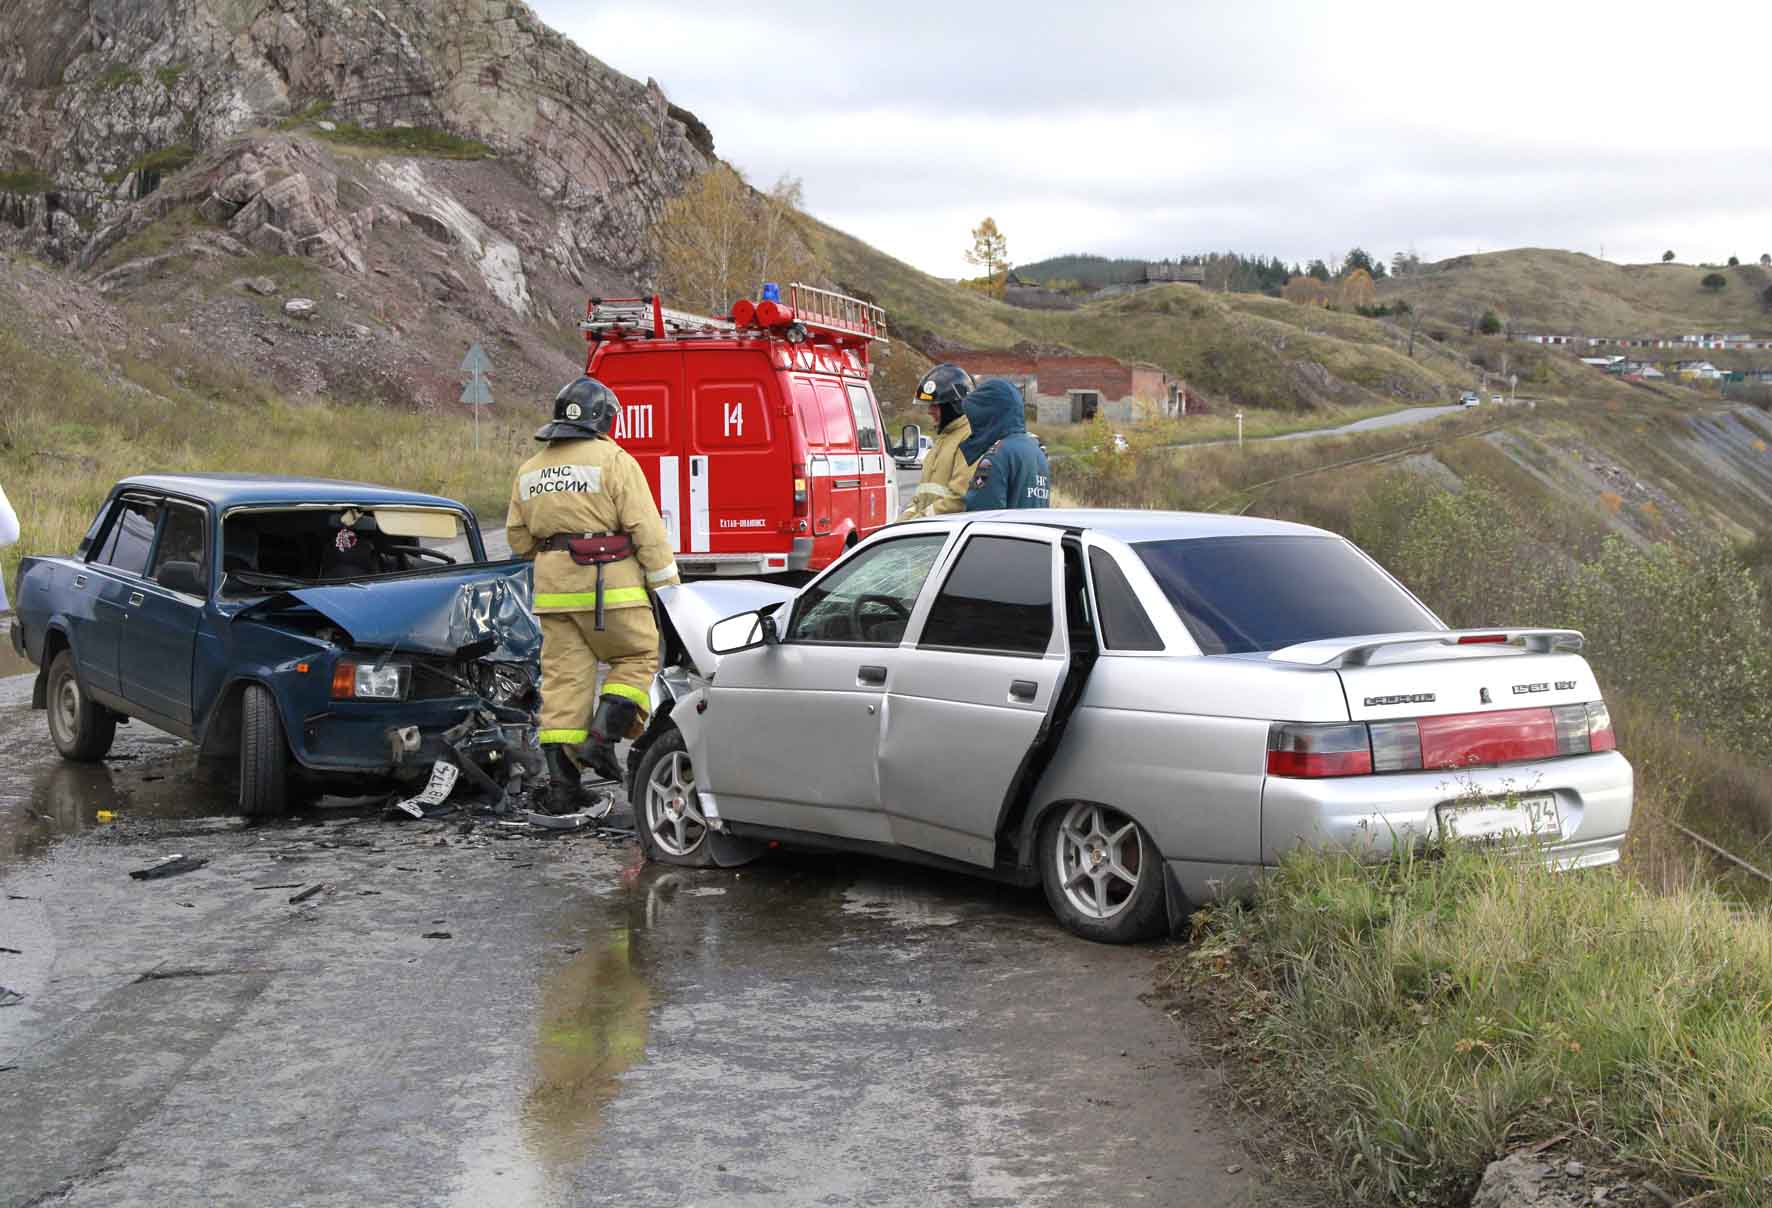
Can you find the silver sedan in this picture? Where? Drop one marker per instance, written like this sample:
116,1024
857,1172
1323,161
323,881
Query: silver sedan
1137,711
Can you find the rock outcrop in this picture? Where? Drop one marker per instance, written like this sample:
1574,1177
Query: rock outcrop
100,100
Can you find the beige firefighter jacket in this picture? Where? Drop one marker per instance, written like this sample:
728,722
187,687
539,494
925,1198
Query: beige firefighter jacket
588,486
946,475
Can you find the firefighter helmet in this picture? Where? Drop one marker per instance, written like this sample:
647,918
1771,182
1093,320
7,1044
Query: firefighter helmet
585,409
945,386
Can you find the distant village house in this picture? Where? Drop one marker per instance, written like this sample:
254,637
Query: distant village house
1075,389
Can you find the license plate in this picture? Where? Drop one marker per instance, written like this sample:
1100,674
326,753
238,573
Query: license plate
1533,817
436,792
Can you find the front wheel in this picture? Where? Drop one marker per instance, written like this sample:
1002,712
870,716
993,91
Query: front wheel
264,756
1102,874
81,729
667,811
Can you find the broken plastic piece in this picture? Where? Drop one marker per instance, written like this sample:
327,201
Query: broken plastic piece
10,997
305,894
171,866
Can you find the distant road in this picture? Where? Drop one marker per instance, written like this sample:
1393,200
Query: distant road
1395,419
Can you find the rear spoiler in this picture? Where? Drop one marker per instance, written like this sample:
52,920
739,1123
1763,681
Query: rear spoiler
1357,652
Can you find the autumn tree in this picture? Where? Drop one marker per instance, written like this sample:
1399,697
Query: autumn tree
722,239
1357,289
990,252
1306,291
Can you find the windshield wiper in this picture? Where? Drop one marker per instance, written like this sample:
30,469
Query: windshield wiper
254,578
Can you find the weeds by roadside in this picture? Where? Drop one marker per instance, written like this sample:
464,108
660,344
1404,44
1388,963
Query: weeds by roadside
1424,1016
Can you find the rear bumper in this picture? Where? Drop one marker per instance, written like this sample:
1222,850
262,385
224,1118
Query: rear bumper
1375,813
746,566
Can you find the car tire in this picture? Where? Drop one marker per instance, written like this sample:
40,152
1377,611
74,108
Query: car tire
264,756
1102,874
667,813
81,728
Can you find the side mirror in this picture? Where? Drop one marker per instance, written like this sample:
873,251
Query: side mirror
182,576
746,631
909,438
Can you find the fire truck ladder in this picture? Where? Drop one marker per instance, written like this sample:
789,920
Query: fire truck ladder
606,315
837,312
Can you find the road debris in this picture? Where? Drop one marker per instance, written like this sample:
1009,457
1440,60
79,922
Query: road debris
282,885
438,935
171,866
305,894
13,951
10,997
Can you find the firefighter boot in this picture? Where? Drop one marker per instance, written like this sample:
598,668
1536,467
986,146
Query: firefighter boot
609,725
565,794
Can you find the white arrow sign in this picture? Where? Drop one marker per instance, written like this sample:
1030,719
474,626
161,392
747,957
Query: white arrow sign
476,362
475,393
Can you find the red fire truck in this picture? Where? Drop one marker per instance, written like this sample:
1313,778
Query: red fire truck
759,433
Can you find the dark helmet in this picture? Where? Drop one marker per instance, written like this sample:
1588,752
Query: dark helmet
945,386
585,409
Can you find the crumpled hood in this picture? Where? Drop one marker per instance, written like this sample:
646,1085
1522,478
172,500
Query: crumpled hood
482,610
693,607
995,411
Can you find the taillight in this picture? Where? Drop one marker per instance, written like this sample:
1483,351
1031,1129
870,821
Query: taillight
1599,728
1483,639
802,497
1311,751
1315,750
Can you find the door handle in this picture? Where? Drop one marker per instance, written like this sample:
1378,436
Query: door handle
1023,690
871,676
135,598
79,580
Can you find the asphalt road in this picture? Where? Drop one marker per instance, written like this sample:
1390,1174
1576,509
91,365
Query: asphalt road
592,1031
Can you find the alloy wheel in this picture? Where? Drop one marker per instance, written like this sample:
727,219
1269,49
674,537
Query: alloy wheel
673,812
1100,857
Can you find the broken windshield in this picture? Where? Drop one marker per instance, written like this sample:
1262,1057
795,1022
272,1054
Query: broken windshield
277,548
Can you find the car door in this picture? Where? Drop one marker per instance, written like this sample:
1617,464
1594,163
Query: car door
792,728
969,700
113,575
155,661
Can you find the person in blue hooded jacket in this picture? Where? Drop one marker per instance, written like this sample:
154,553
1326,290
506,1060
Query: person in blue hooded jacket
1009,470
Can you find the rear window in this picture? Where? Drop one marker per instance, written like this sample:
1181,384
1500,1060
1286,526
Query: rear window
1240,595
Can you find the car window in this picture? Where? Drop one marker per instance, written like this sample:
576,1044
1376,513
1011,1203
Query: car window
1239,595
1124,623
869,598
182,540
131,537
867,430
998,598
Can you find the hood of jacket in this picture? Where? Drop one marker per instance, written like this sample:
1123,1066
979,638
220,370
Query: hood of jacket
994,409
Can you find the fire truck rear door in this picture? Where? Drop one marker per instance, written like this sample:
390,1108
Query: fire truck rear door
872,452
843,464
649,384
740,480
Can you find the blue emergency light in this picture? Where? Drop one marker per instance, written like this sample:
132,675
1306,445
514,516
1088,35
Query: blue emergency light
771,292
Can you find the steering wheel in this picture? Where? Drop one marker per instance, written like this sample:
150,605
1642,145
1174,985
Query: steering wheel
891,603
420,551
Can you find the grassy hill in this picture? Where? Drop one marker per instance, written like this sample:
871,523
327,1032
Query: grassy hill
1540,289
1238,350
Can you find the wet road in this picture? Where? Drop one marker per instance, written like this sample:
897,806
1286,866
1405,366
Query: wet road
802,1031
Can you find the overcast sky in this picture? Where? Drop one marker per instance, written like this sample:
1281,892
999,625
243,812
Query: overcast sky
1296,128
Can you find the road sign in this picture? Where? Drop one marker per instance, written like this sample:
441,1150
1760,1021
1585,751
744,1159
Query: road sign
476,394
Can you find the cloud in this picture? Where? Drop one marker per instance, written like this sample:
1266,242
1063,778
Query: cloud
1273,126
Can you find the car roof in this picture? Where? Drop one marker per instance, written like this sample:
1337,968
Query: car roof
1133,526
233,490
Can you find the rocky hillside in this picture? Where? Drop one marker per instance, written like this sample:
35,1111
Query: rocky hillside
424,173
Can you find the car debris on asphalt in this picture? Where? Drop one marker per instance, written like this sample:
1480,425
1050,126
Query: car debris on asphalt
171,866
305,894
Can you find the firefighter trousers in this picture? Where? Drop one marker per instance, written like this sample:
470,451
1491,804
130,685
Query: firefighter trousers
571,648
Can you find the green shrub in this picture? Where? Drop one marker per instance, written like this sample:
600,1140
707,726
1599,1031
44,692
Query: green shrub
118,77
25,180
1425,1016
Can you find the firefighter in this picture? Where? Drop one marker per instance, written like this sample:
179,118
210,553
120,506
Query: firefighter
1009,467
946,474
582,510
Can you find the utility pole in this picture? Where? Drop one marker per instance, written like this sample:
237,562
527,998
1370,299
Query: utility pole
475,394
1239,429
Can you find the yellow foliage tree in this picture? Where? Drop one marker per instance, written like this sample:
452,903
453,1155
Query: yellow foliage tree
1306,291
722,239
1358,290
990,251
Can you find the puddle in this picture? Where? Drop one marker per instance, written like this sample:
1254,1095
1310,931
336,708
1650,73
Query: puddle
59,799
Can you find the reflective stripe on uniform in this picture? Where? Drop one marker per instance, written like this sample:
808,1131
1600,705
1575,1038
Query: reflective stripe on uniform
937,490
667,571
575,737
588,599
629,692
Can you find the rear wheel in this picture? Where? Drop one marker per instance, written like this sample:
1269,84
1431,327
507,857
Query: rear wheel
264,756
1102,874
82,729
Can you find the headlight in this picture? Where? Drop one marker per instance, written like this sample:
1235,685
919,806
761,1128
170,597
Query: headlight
371,681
